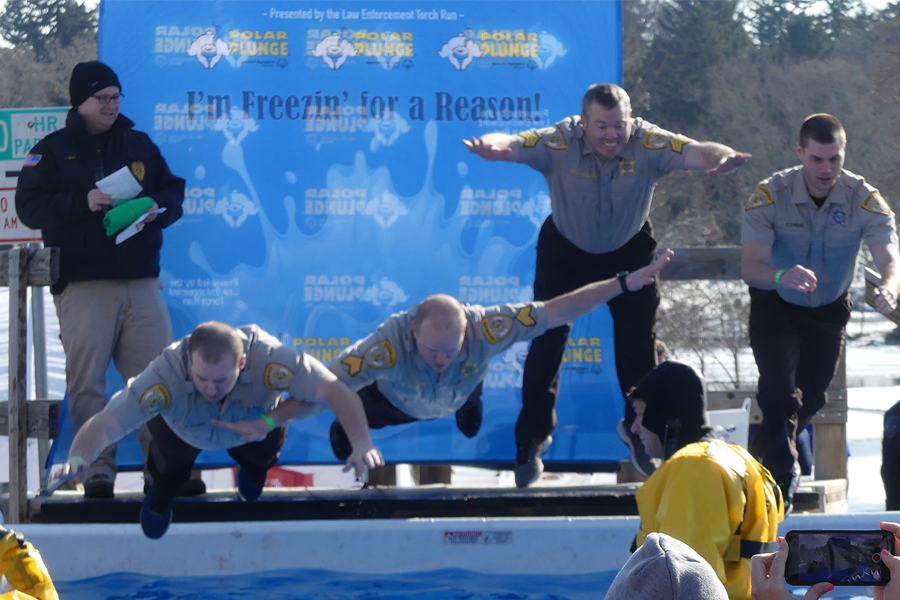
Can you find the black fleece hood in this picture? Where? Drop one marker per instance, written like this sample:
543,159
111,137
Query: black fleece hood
675,395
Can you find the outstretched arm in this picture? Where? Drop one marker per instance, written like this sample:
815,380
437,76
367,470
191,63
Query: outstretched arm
100,431
888,263
495,146
349,410
713,157
568,307
756,271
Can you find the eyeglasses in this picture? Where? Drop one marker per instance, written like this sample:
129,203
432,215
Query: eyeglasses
104,100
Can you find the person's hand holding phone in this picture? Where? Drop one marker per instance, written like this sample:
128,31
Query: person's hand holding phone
767,577
892,590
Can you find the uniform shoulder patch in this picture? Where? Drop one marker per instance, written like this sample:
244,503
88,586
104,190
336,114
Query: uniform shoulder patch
524,316
875,203
156,399
656,139
278,377
530,139
760,197
354,364
381,355
31,160
555,140
137,168
677,143
496,327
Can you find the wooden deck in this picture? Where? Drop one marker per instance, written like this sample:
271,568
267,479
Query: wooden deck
430,501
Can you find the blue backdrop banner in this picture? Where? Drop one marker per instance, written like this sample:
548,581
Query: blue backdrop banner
327,185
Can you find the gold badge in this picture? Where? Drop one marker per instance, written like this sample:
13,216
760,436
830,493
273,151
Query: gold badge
381,355
155,399
656,139
496,327
556,140
874,203
137,168
626,166
468,368
278,377
759,198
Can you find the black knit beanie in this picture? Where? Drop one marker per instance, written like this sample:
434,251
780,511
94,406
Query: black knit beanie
675,397
88,78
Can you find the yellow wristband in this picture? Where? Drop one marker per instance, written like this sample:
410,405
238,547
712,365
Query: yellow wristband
268,420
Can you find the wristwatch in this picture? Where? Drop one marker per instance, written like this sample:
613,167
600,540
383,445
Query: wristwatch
622,281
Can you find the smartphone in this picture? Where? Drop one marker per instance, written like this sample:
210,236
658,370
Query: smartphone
839,557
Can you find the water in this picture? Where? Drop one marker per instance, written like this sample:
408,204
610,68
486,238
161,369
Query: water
445,584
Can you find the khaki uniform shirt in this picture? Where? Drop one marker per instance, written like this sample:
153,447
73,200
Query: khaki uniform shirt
825,240
165,388
600,204
390,358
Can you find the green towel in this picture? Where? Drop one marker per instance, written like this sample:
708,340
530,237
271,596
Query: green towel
126,213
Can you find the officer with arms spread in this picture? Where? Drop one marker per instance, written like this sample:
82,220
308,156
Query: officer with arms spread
431,360
108,296
713,496
601,168
802,230
219,388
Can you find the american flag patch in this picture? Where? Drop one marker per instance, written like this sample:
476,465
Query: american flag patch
31,160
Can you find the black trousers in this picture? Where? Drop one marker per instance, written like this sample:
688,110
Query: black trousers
797,351
381,413
890,458
171,459
563,267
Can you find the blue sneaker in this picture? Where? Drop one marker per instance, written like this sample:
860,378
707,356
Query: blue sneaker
156,515
249,489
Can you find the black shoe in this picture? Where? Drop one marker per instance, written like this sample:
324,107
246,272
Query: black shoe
99,486
789,483
529,467
468,419
156,515
642,461
191,487
340,443
249,489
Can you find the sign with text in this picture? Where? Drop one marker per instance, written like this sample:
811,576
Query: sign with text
20,130
327,185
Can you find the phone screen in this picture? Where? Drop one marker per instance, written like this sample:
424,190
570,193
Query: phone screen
838,557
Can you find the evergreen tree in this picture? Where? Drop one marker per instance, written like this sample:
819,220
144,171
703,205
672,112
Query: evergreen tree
38,24
692,36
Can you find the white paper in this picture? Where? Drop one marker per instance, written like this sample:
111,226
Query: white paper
121,185
138,224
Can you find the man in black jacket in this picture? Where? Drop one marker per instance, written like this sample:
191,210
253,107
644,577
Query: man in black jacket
108,296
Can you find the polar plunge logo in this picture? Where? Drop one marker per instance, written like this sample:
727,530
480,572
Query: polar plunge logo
209,48
352,288
512,48
461,50
334,49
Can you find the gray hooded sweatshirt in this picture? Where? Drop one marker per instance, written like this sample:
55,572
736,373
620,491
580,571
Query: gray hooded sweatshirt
665,569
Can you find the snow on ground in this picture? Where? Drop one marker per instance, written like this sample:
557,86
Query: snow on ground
873,374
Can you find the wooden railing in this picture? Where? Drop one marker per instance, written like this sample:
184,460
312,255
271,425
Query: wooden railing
20,268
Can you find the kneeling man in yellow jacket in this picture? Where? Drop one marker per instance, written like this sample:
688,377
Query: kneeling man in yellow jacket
713,496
